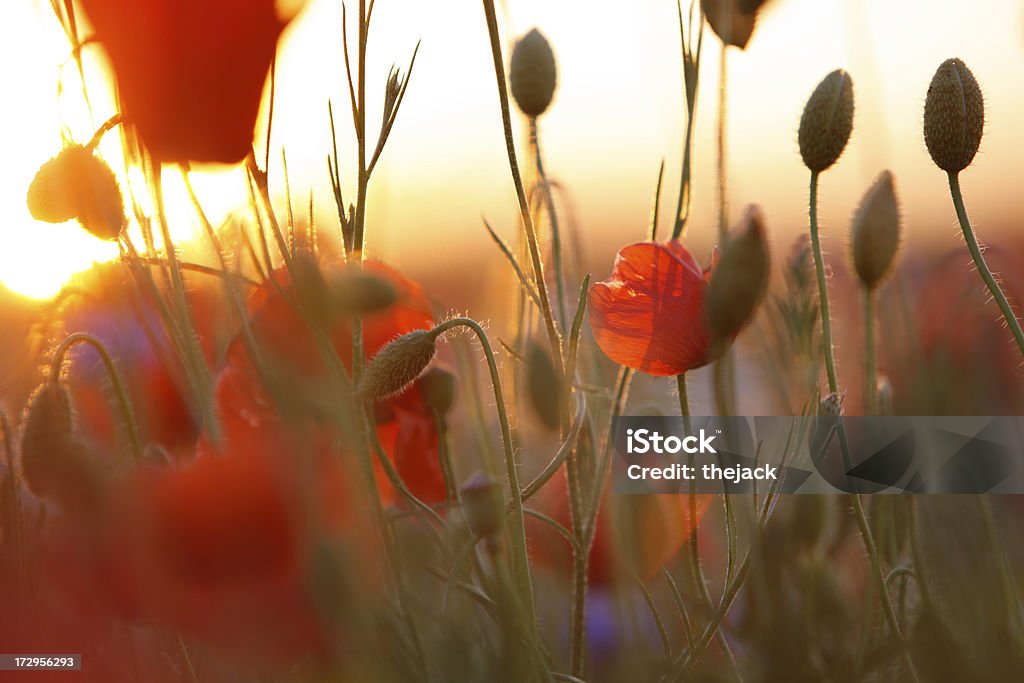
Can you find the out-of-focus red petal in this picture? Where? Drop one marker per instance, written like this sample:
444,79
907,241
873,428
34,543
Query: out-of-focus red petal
190,73
649,315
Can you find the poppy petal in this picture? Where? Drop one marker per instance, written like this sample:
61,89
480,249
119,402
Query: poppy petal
649,314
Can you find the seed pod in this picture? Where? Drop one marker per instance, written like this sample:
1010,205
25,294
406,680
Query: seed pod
78,184
732,20
533,73
437,386
739,280
398,364
482,504
954,116
827,121
543,387
876,232
354,292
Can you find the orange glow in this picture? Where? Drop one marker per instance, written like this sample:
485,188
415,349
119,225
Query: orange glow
617,114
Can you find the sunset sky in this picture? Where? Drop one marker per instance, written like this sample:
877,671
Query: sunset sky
617,113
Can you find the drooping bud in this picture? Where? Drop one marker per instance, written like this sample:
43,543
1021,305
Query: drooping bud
78,184
437,386
543,386
53,462
533,73
739,280
954,116
310,287
482,504
732,20
398,364
876,232
827,121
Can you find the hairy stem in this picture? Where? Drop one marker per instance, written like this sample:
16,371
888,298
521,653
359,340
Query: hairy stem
819,268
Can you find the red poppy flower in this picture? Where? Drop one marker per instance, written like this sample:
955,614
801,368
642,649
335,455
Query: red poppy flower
638,532
405,425
190,73
649,315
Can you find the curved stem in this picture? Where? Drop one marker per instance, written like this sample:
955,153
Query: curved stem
127,414
979,262
518,532
819,268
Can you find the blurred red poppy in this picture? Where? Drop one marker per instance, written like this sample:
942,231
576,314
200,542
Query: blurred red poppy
405,424
190,73
649,315
641,533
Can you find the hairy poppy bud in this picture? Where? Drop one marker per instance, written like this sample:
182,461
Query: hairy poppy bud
78,184
437,386
954,116
739,280
732,20
52,460
543,386
827,121
533,73
482,504
876,232
398,364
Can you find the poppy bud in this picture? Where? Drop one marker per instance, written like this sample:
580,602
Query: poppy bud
732,20
437,386
398,364
357,292
78,184
482,504
739,280
53,462
827,121
876,232
954,116
543,386
533,73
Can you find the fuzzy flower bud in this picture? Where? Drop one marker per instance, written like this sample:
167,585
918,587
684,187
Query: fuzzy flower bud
954,116
739,280
533,73
52,460
398,364
78,184
827,121
876,232
732,20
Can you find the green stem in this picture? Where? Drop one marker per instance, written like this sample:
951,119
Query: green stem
556,233
870,372
819,267
127,414
979,262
